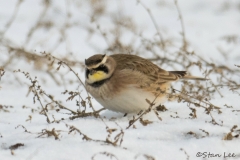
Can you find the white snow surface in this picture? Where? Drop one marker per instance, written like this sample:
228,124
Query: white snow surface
206,22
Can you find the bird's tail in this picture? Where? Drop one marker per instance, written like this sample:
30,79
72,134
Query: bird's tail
183,75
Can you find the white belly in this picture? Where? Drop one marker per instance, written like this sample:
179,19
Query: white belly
132,100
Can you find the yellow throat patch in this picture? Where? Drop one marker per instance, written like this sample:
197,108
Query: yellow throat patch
97,76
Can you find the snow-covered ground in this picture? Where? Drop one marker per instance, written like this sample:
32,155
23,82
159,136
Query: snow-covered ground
208,25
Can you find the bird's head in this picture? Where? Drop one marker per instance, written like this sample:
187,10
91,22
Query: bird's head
99,67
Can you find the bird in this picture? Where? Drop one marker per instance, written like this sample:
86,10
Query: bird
127,83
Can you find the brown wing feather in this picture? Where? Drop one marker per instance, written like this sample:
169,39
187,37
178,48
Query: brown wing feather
183,75
180,74
152,71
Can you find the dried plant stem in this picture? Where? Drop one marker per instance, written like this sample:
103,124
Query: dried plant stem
60,105
83,114
62,62
85,137
189,96
38,98
216,89
2,72
81,83
11,20
184,46
154,23
39,21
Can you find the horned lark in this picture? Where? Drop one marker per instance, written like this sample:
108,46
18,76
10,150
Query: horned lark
122,82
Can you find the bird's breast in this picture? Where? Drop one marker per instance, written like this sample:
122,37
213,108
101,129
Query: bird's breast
128,100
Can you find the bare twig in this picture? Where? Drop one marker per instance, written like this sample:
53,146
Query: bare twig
184,46
60,63
11,20
42,15
154,23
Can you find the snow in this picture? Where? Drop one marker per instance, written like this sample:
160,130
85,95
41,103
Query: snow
206,23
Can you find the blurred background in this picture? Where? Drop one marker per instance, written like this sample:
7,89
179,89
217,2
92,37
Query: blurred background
199,36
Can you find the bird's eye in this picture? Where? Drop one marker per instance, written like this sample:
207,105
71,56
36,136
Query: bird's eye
103,68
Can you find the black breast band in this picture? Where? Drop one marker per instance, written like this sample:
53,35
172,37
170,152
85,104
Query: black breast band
99,83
